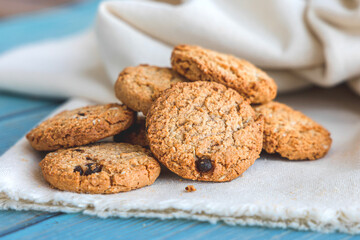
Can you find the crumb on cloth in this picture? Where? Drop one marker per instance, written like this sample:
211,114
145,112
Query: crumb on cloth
190,188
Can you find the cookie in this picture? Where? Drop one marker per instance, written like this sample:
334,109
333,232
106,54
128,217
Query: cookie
100,168
292,134
137,87
80,126
136,134
196,63
204,131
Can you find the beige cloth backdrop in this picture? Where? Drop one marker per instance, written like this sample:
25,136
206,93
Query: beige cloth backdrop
298,42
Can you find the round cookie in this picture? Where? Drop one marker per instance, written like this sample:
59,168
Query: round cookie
100,168
80,126
137,87
204,131
136,134
196,63
292,134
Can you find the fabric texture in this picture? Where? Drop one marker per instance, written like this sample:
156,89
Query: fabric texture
320,195
299,43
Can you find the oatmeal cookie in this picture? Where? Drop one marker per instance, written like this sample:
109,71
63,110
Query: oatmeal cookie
100,168
292,134
137,87
196,63
204,131
80,126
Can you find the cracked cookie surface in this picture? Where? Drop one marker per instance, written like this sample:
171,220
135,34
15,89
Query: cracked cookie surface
204,131
196,63
80,126
136,134
100,168
292,134
137,87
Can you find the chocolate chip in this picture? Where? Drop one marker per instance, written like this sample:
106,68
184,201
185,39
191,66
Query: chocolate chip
88,172
97,168
204,164
79,169
88,158
79,150
81,114
92,168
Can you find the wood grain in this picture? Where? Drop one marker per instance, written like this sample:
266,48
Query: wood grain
12,7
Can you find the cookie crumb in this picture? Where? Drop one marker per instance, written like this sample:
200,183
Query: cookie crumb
190,188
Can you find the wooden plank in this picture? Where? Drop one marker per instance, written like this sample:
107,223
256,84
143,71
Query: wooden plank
20,6
21,220
78,226
9,219
55,23
13,128
12,104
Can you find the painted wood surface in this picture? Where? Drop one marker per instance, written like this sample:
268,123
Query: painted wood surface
18,114
13,7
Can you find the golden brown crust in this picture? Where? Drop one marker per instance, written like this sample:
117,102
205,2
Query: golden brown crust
136,134
100,168
204,125
196,63
137,87
292,134
80,126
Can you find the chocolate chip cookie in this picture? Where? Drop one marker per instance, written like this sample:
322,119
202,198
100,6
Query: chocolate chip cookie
138,87
196,63
136,134
292,134
204,131
80,126
100,168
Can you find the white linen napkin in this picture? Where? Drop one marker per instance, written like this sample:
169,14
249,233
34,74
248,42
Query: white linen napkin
298,42
320,195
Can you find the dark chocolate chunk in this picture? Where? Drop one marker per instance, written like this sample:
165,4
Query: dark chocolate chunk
79,169
204,164
92,168
97,168
79,150
81,114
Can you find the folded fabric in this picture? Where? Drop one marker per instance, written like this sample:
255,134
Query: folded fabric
298,42
320,195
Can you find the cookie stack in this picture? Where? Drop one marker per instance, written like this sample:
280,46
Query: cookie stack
104,167
207,118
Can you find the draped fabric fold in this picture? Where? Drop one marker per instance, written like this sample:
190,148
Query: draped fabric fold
300,43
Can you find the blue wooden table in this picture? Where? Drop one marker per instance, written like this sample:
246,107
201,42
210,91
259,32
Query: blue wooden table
18,114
